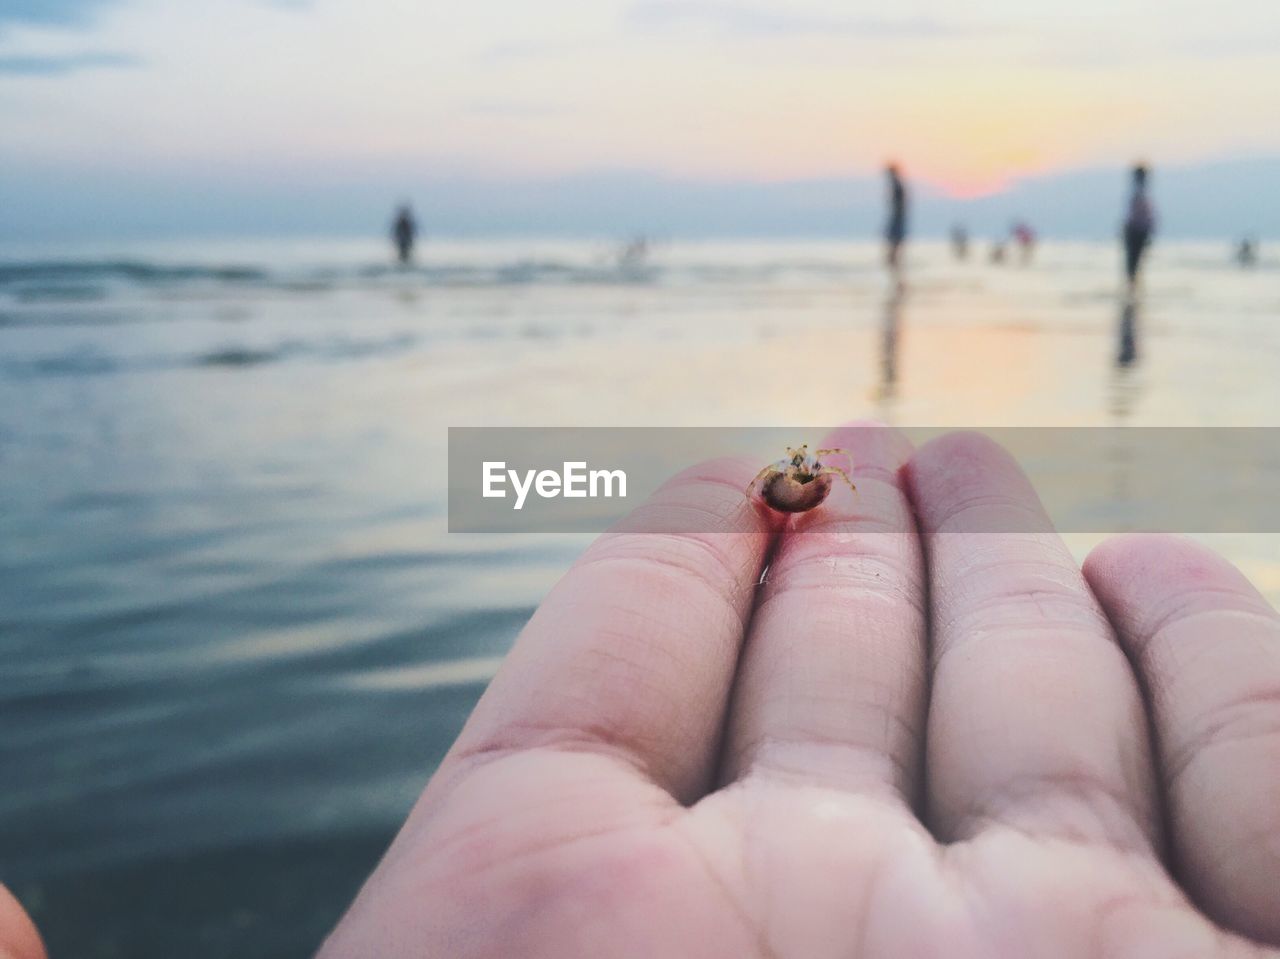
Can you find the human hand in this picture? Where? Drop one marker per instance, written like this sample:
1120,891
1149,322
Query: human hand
951,743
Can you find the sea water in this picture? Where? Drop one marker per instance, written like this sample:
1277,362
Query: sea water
236,636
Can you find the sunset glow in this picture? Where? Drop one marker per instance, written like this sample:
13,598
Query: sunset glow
968,101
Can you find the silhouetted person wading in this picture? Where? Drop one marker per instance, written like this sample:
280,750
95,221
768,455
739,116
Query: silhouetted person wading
895,230
1138,225
404,231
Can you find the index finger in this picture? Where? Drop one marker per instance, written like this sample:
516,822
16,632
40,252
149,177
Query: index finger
633,652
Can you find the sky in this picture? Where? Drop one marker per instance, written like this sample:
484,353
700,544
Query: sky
147,115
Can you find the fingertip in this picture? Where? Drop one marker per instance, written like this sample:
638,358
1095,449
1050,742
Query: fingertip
963,450
1130,572
711,496
19,938
863,423
968,473
873,446
1130,552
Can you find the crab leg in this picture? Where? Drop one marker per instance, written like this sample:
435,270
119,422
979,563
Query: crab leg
818,454
836,469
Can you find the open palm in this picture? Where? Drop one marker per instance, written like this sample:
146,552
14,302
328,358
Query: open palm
943,742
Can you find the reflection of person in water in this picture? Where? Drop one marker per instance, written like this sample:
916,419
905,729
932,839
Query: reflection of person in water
404,230
889,335
1125,385
1128,353
1025,237
895,230
1139,224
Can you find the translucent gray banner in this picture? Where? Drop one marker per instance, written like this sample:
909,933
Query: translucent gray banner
1090,479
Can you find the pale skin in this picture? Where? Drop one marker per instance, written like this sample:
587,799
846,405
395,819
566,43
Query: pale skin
919,737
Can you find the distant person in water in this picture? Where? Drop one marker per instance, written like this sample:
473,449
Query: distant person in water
1025,237
959,242
1247,252
633,254
895,230
997,251
404,230
1138,225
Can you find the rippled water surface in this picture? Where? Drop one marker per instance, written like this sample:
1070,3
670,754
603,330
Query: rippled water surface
236,636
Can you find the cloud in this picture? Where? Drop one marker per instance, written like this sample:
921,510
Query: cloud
743,21
515,108
504,52
48,13
62,64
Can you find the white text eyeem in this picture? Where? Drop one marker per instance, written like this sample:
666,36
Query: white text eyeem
574,482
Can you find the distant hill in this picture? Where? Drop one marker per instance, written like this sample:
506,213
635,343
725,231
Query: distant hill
1223,199
1229,198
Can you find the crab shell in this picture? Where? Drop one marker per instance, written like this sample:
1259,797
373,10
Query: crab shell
786,494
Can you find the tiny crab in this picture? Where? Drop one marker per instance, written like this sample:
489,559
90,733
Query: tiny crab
798,483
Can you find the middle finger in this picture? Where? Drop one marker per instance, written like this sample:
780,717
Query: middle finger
830,686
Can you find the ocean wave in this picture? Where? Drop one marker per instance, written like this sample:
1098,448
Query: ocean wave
82,280
61,293
239,356
137,271
515,273
231,356
66,364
